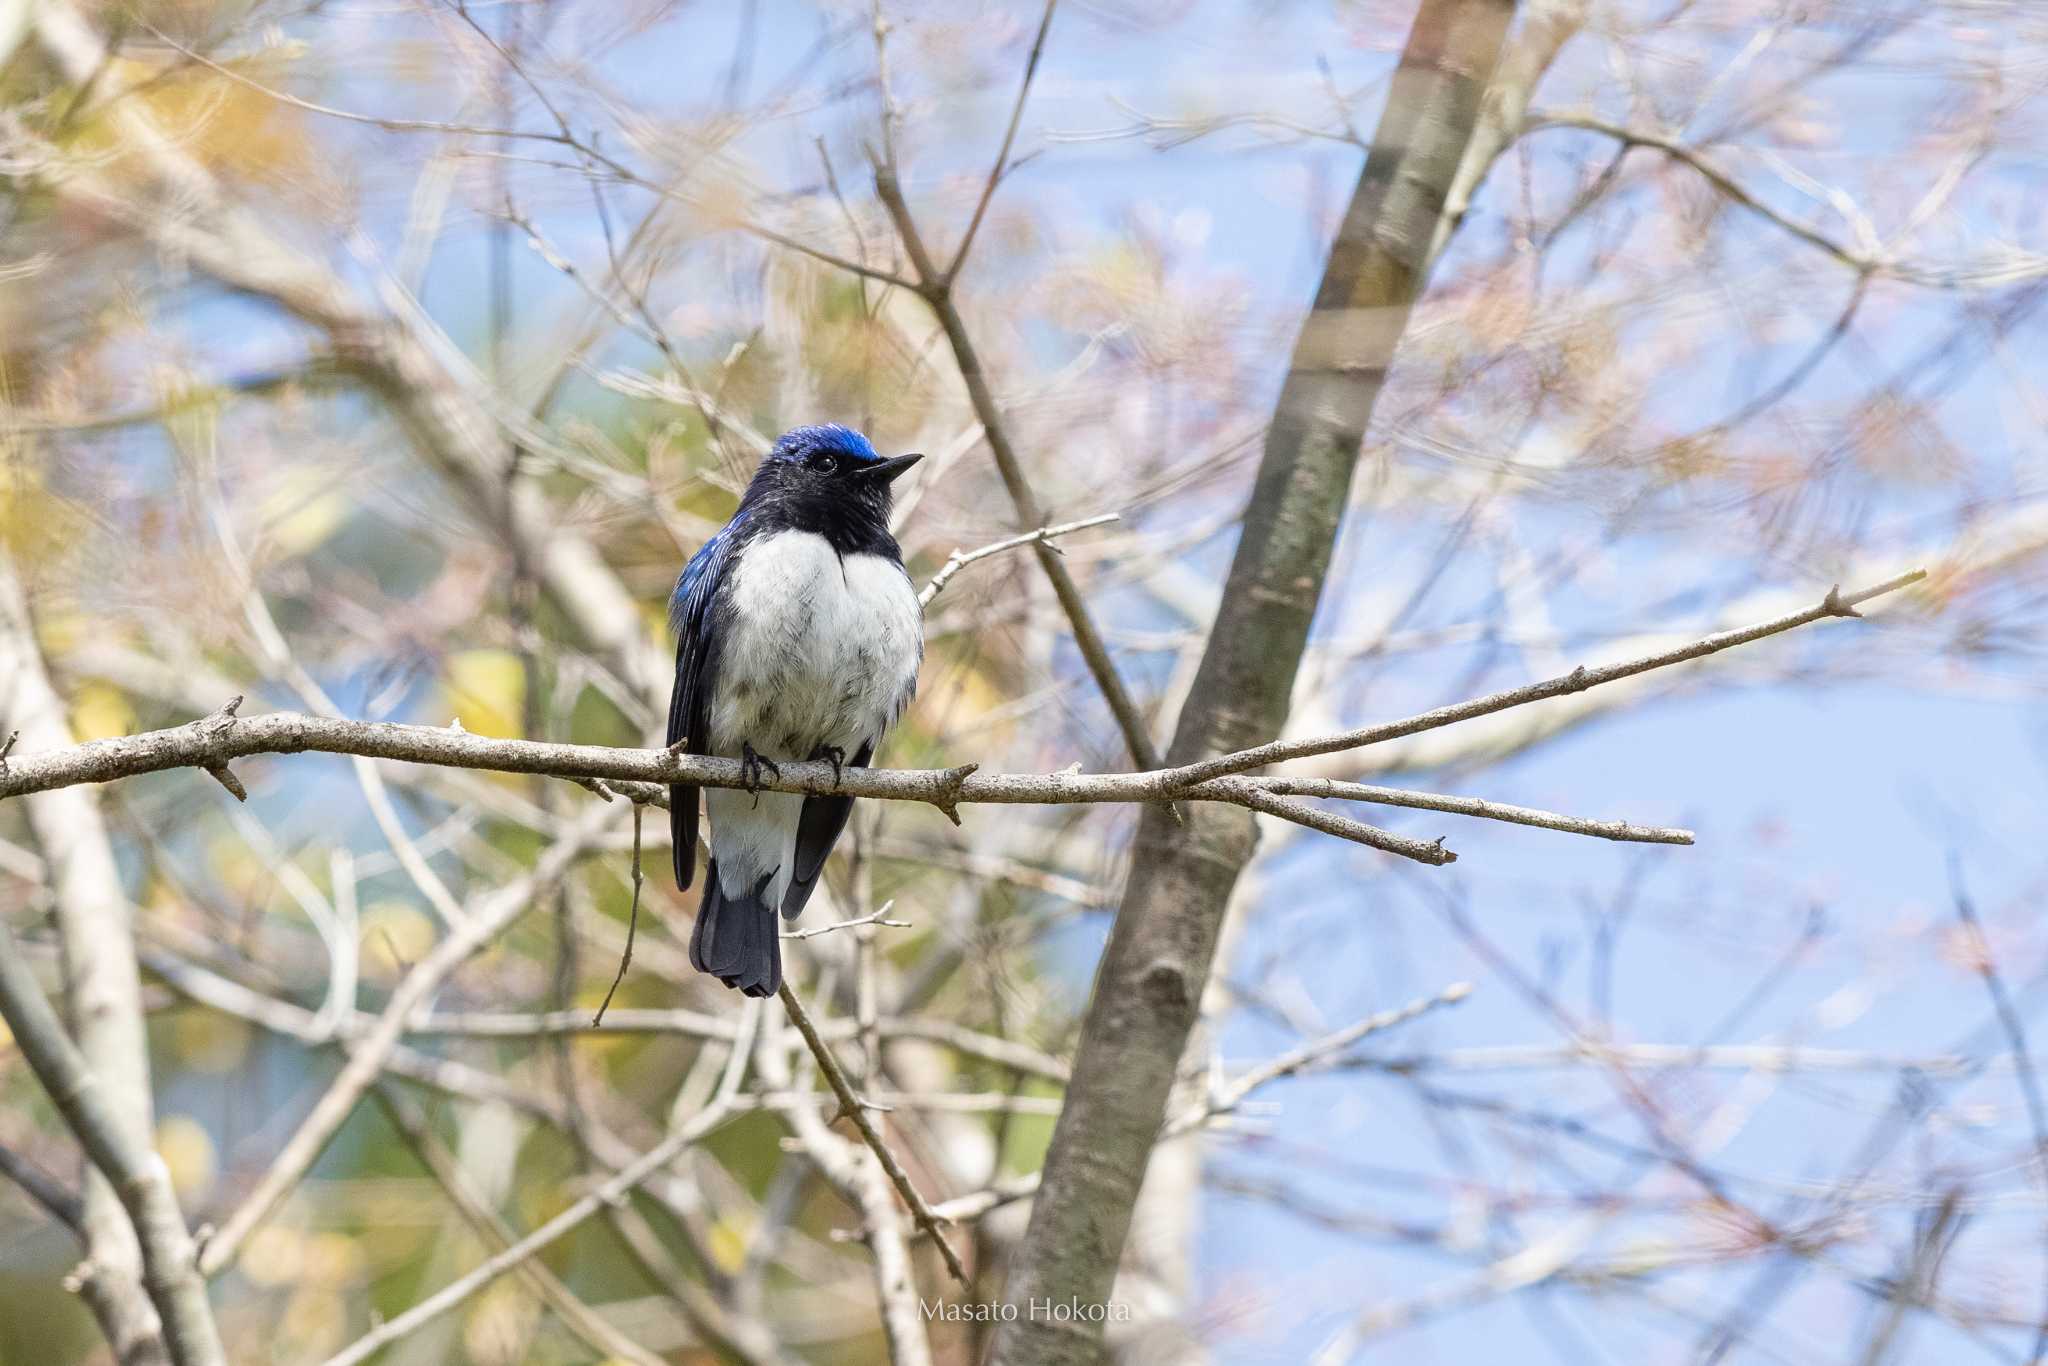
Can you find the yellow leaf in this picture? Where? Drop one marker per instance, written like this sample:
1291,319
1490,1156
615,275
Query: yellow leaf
187,1150
100,711
728,1243
207,1041
486,689
394,937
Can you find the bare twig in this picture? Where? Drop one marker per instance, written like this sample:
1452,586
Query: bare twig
1835,604
880,917
960,559
995,173
1315,1052
632,926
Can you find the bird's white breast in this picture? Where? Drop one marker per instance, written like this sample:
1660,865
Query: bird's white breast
820,649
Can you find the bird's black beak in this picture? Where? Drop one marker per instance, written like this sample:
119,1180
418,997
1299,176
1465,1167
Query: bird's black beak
885,471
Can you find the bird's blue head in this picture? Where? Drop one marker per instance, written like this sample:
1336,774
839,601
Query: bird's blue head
829,440
826,478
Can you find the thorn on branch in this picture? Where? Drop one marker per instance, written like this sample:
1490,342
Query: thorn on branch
680,746
951,783
1833,605
225,776
7,747
222,719
1577,681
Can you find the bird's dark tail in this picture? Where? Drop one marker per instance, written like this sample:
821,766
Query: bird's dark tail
736,937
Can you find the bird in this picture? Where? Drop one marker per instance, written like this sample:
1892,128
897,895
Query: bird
798,637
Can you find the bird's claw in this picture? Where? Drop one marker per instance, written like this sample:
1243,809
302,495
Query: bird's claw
837,758
751,764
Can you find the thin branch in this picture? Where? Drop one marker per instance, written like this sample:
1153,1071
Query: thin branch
1477,807
1713,175
43,1188
1835,604
367,1058
1993,272
610,1193
880,917
960,559
632,926
995,174
934,289
2016,1035
855,1109
138,1176
1317,1051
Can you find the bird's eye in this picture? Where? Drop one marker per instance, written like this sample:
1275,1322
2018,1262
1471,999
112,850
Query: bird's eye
826,464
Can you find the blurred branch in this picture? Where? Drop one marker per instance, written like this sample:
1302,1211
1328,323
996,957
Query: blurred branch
995,173
857,1174
1990,274
367,1058
854,1108
59,1203
134,1172
584,1320
101,986
607,1194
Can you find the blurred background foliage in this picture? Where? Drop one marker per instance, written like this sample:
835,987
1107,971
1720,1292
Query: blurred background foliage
1749,305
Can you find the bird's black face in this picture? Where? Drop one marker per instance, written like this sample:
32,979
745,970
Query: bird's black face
830,480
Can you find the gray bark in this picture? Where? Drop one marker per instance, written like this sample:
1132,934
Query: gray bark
1149,986
101,988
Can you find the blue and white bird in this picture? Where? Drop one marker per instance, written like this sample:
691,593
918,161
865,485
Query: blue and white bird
799,638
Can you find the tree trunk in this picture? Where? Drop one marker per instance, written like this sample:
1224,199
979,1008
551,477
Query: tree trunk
1149,986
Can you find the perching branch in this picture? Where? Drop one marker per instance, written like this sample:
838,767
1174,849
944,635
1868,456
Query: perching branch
216,740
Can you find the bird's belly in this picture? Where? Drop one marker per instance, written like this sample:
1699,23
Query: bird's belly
819,651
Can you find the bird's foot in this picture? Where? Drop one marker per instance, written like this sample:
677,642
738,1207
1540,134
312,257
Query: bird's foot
837,758
751,764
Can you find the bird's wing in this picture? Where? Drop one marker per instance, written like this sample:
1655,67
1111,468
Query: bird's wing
817,829
689,703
